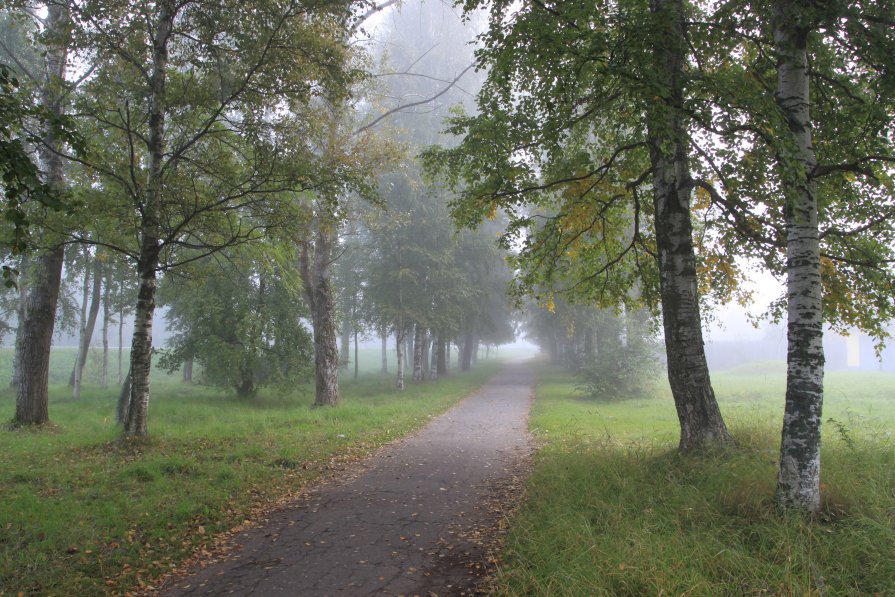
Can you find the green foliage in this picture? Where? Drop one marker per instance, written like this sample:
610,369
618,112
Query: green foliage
752,162
626,361
613,510
20,181
83,514
239,315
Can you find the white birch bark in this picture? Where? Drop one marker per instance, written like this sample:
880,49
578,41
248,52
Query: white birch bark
798,482
136,423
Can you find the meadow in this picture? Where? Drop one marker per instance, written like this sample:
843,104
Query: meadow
612,509
83,513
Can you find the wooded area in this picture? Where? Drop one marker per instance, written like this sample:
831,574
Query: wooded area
283,179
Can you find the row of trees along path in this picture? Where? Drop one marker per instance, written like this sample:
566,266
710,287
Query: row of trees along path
671,142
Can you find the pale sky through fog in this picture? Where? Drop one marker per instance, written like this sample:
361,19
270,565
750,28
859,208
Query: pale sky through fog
732,322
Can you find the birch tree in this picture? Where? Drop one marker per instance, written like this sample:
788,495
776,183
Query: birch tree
34,342
583,134
805,181
193,91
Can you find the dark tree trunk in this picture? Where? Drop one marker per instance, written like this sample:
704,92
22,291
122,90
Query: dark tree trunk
419,332
188,370
798,482
124,398
121,339
16,377
443,362
32,397
104,376
384,340
425,360
554,351
246,386
316,264
433,361
589,344
345,342
82,322
466,351
399,347
89,326
702,426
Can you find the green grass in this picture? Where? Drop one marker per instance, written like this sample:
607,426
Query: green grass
82,514
614,510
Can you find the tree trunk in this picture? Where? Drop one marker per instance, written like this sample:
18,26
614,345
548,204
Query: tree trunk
16,377
188,370
104,377
425,361
345,342
466,351
399,346
316,273
589,345
418,352
246,386
89,326
136,423
121,338
700,418
798,482
433,361
32,397
554,347
356,363
384,341
82,322
124,398
443,363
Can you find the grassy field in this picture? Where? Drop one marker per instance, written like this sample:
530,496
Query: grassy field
613,510
82,514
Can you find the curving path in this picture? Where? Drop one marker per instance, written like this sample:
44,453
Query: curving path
413,522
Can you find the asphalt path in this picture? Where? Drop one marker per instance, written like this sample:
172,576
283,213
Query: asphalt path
418,519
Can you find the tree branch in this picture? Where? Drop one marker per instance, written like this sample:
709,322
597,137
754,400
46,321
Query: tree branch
382,117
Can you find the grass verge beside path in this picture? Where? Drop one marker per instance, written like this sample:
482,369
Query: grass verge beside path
613,510
81,514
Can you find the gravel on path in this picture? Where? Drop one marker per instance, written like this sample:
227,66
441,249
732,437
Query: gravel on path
418,520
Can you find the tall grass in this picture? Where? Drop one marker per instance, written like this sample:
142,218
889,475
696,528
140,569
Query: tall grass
83,514
614,510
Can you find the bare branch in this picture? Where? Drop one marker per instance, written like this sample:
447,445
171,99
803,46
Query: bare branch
382,117
376,8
